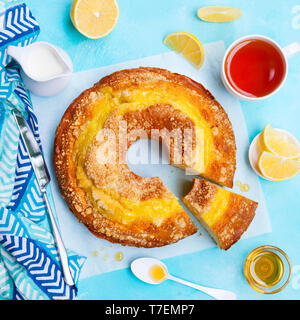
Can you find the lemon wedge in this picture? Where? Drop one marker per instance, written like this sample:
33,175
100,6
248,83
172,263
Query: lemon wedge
188,46
94,18
219,13
277,168
280,143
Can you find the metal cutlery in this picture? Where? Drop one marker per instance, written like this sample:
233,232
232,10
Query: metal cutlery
43,178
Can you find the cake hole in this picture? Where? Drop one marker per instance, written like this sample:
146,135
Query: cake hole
145,158
150,158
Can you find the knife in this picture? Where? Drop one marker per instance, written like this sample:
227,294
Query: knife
43,178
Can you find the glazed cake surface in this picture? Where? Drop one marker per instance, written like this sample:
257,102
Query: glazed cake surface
94,179
224,214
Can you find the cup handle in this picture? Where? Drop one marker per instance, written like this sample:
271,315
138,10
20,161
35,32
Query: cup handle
291,49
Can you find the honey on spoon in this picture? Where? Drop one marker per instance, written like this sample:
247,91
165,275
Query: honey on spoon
153,271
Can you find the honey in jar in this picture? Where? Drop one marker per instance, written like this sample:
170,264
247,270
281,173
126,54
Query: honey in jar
266,268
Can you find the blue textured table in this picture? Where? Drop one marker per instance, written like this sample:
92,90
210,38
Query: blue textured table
141,27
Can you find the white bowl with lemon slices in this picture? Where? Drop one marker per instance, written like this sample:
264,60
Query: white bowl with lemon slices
274,154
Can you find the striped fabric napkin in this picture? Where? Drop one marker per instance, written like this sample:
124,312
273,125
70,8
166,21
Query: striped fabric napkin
29,262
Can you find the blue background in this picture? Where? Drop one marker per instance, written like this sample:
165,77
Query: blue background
141,27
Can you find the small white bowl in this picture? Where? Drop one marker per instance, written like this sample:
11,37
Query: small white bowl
255,151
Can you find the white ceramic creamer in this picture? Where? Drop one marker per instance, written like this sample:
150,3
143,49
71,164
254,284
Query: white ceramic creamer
45,69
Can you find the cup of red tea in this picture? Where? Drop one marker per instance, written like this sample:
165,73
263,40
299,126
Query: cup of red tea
255,67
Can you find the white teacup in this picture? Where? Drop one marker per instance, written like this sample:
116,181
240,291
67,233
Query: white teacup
285,52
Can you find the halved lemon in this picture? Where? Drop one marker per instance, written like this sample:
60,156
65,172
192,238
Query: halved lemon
187,45
277,168
219,13
280,143
94,18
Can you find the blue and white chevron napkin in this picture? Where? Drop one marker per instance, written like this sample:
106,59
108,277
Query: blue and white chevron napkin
29,262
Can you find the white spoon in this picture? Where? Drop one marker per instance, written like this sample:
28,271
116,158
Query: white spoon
141,269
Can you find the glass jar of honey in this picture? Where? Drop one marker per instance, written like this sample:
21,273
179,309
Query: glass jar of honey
267,269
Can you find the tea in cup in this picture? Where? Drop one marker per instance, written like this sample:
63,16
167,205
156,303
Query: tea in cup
255,67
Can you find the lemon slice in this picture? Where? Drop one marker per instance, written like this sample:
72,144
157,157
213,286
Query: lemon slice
280,142
94,18
188,46
277,168
219,13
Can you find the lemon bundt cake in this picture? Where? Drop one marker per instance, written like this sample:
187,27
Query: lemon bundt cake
104,121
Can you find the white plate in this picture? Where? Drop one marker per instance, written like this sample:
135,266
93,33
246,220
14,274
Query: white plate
254,152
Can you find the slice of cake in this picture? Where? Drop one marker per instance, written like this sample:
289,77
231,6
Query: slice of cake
224,214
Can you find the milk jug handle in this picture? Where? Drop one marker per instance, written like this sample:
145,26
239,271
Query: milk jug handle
16,52
291,49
